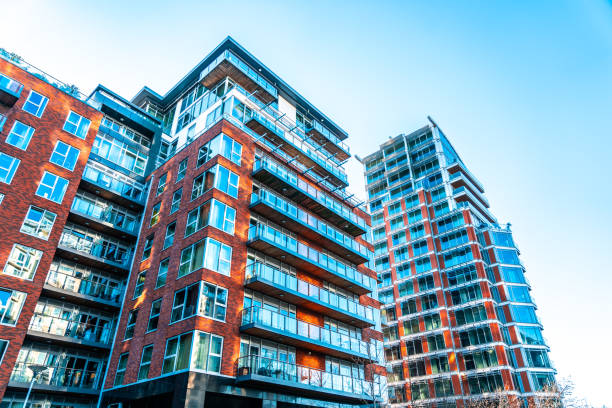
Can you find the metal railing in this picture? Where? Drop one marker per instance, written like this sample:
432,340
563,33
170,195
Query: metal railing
92,332
9,84
101,287
301,375
322,260
316,293
117,218
117,186
97,249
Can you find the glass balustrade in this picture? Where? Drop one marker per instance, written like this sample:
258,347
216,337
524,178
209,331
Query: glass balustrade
301,375
305,218
106,213
91,285
10,85
311,255
108,182
96,247
58,376
94,330
292,326
315,293
316,194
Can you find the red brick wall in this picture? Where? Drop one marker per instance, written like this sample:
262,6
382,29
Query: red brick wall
20,194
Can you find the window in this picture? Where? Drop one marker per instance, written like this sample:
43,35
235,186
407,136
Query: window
218,177
176,200
121,367
52,187
77,125
35,104
192,258
22,262
162,273
480,359
155,214
65,155
140,281
474,337
3,346
38,222
185,303
220,216
161,184
223,145
154,315
8,167
213,302
416,368
207,351
131,322
120,153
169,238
178,350
146,252
11,302
145,362
218,256
182,169
20,135
435,343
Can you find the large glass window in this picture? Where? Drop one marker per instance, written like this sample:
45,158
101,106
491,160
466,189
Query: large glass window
185,303
523,314
22,262
38,222
145,362
207,352
213,301
214,213
177,354
216,177
52,187
77,125
207,253
11,302
65,155
120,153
35,104
223,145
20,135
8,167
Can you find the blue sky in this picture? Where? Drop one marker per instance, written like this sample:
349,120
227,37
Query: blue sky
522,89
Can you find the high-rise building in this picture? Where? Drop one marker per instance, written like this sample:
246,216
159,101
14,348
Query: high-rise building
195,249
458,318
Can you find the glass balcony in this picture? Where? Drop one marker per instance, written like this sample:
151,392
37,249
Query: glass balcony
69,379
132,192
105,214
229,64
289,184
2,121
268,279
95,286
105,251
10,90
274,326
292,217
324,136
305,381
272,242
96,331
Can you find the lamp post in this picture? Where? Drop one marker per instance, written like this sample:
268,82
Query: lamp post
37,370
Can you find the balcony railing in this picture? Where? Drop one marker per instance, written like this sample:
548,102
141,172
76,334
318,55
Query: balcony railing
86,332
314,261
326,201
97,249
117,219
301,378
292,211
93,285
304,333
10,90
105,181
58,377
320,296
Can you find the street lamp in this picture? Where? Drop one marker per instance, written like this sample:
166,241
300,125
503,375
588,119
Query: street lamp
37,370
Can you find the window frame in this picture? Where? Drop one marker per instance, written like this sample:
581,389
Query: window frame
154,316
78,131
11,170
143,363
70,151
41,229
130,325
53,187
40,108
32,273
23,140
122,363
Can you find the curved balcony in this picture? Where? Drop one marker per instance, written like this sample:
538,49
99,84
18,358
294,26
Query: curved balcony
287,182
298,333
71,331
278,245
265,373
292,217
77,381
281,285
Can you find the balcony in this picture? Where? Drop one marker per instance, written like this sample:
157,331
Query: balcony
10,90
58,379
323,137
458,166
267,373
460,180
99,254
288,288
229,65
281,246
113,223
127,194
91,290
290,216
461,194
72,332
286,182
275,326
